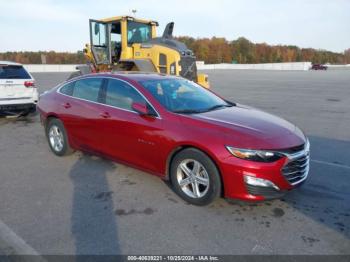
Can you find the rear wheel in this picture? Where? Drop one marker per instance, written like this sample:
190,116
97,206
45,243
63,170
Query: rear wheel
195,177
57,138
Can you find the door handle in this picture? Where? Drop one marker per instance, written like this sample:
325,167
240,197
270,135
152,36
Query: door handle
105,115
66,105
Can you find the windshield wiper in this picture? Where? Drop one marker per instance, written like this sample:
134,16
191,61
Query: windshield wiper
193,111
187,111
216,107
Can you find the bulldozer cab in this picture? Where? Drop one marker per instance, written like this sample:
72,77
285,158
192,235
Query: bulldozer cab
125,43
112,39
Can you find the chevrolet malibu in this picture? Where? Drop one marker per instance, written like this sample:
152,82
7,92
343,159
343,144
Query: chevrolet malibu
204,145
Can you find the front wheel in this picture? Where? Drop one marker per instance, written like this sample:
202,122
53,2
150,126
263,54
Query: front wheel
195,177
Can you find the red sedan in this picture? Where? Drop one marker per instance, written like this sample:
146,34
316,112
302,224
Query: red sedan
173,128
318,67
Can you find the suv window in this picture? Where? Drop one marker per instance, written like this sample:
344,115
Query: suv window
88,89
122,95
13,72
68,89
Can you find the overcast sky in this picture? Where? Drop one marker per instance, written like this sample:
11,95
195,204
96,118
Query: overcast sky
31,25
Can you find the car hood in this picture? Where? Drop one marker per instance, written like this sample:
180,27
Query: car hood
248,127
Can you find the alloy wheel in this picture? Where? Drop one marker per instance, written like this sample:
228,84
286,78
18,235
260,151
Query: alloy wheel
192,178
56,138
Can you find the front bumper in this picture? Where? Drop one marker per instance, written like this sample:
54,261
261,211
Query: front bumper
265,192
280,176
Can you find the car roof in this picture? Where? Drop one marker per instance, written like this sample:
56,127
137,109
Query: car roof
136,75
9,63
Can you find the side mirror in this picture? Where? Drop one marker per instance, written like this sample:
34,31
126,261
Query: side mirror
140,108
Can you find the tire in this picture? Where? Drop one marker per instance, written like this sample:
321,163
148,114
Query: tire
207,178
57,138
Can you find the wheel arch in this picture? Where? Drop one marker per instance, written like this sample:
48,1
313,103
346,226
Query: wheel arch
49,117
55,116
182,147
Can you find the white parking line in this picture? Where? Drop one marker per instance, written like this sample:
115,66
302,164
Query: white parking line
330,164
12,244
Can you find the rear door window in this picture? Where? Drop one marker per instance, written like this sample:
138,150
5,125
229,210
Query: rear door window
88,89
13,72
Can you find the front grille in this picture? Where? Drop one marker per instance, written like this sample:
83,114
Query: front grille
297,169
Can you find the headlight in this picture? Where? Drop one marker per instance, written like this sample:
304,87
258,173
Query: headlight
254,155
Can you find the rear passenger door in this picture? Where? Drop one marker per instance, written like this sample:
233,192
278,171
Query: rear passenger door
80,111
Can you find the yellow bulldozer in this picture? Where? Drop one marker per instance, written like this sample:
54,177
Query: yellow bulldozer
125,43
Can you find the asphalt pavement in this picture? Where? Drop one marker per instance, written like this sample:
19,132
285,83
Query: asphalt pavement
82,204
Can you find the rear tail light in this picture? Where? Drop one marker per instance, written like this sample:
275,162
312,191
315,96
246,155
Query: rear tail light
29,84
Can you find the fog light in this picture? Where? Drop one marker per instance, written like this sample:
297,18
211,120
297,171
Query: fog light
255,181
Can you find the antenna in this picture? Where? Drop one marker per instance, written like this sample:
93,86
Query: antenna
134,11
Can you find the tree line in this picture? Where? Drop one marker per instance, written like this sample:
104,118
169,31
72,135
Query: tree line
210,50
43,57
219,50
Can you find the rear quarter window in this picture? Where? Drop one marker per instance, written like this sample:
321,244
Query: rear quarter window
13,72
68,89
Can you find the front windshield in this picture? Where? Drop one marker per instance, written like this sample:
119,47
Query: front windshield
183,96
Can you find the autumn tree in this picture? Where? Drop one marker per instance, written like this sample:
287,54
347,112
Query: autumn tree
211,50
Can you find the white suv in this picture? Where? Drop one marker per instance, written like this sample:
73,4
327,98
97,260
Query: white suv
18,94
